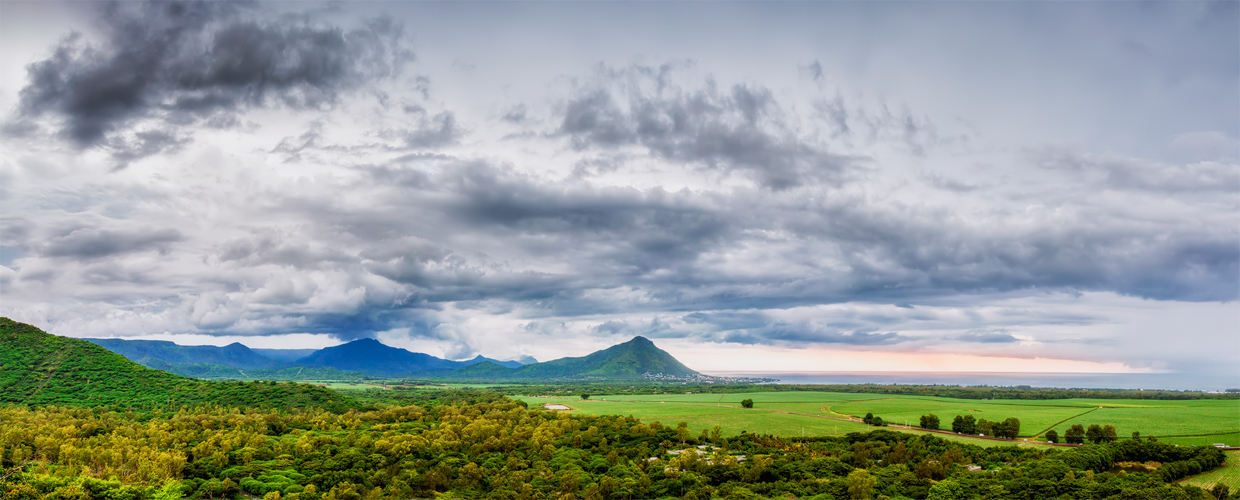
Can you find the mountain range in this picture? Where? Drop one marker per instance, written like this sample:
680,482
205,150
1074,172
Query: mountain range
38,368
370,358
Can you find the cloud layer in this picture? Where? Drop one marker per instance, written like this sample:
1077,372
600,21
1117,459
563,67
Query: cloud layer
289,174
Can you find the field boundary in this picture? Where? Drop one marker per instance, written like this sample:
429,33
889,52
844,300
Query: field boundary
1056,424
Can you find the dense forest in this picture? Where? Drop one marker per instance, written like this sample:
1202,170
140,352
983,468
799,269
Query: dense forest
471,444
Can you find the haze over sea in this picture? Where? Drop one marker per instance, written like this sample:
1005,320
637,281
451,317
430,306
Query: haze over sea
1169,381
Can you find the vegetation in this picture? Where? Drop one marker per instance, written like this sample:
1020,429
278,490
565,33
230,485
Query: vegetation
145,352
1228,477
220,372
481,444
82,422
40,369
1012,395
791,413
630,360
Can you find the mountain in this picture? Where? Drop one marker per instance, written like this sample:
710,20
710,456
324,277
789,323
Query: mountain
506,364
631,359
285,355
373,357
221,372
144,352
486,370
38,368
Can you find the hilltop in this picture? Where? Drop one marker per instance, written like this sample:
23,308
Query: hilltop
149,352
376,358
39,369
631,360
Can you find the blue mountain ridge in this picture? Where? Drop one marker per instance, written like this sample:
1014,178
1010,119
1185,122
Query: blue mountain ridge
365,355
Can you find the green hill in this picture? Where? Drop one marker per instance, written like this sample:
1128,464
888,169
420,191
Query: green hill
221,372
630,360
483,371
39,369
149,353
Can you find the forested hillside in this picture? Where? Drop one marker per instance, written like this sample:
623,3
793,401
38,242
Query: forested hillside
40,369
147,352
485,446
221,372
629,360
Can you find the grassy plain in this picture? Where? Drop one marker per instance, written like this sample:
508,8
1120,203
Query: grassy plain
791,413
1165,420
1229,439
1228,474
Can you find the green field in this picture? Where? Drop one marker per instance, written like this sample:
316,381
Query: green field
1229,439
1191,418
1229,474
1194,422
1033,419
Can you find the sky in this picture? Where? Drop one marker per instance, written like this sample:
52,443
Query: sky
851,186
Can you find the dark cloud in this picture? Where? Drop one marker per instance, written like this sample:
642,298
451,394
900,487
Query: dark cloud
729,320
784,333
93,243
179,62
740,129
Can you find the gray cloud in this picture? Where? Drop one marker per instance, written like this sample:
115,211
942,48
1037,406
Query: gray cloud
178,62
742,128
760,205
92,243
801,335
1114,172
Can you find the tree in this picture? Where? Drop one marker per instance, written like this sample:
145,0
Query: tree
1136,435
861,485
682,431
1010,427
585,396
964,425
1052,436
1075,434
1094,433
930,421
869,417
985,427
747,403
1109,434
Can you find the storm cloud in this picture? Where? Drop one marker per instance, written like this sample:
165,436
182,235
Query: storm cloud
292,175
163,64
